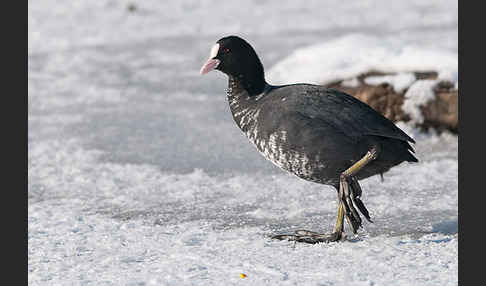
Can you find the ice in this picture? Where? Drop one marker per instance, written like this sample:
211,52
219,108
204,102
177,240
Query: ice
97,221
137,174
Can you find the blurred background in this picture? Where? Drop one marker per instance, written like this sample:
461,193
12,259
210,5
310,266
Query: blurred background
138,174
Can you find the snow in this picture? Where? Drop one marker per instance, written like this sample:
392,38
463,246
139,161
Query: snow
137,174
419,93
399,82
353,54
354,82
97,221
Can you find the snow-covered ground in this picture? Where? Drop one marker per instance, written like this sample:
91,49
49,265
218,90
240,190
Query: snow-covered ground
139,176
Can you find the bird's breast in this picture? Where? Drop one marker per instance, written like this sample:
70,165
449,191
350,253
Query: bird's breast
276,147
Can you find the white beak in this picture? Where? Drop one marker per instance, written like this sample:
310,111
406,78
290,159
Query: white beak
211,63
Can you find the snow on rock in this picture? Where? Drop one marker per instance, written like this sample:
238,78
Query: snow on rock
350,55
354,82
346,57
418,95
398,81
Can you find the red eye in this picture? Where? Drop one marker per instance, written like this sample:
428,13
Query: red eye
226,50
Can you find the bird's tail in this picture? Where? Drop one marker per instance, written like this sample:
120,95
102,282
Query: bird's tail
410,154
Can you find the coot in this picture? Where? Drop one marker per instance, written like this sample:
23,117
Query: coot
319,134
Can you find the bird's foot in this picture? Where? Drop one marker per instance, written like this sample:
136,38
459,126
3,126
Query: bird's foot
310,237
349,196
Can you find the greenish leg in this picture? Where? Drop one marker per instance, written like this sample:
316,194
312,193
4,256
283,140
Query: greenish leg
339,227
349,196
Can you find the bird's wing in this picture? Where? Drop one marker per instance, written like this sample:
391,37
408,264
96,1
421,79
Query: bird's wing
342,111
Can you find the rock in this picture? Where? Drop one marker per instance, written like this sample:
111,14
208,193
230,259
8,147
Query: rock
440,113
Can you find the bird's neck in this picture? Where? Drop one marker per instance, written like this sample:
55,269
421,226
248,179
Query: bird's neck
238,96
242,91
241,100
251,82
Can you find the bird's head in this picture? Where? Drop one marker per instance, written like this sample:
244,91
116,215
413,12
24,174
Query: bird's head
233,56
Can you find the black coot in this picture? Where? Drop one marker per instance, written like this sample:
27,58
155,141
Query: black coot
316,133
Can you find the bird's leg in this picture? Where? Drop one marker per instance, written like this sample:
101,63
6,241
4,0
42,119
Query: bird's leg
350,191
349,196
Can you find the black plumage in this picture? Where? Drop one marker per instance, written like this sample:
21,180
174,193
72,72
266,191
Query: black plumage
314,132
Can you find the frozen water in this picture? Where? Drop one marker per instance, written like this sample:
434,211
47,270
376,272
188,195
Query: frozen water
139,176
